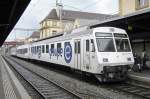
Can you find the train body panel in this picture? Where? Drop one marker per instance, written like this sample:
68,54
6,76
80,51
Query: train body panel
23,51
13,51
90,50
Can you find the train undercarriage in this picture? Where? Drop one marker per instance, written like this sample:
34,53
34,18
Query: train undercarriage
113,74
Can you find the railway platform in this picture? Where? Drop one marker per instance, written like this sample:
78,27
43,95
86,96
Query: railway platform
10,87
1,82
140,77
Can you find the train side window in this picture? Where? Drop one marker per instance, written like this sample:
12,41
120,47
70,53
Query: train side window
87,46
36,49
39,49
26,50
52,48
78,47
58,47
43,49
47,48
33,49
75,47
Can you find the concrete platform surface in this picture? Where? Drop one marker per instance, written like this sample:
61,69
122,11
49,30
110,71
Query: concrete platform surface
143,76
10,87
2,95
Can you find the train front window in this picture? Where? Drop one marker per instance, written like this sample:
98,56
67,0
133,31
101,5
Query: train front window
122,45
105,45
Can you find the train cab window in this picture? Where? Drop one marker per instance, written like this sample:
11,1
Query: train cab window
47,48
87,46
43,49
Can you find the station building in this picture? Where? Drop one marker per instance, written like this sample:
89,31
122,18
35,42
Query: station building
130,7
134,17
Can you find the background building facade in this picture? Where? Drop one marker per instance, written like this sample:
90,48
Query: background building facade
130,6
59,22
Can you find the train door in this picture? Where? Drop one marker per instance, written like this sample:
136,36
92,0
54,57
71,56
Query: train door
77,55
86,58
89,54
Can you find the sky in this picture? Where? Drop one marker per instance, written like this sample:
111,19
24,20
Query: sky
38,9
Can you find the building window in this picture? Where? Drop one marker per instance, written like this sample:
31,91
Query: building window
76,26
48,23
142,3
54,32
54,23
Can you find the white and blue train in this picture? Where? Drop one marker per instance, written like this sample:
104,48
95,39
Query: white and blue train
103,51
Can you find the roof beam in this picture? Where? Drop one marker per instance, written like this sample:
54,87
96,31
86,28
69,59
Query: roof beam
13,10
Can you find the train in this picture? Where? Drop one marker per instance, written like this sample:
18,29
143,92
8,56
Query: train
104,52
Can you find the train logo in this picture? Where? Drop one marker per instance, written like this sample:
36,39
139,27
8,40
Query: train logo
67,52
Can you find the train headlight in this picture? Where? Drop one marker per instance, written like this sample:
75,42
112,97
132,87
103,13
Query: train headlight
105,59
129,59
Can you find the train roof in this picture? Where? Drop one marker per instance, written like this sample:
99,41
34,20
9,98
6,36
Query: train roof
86,30
67,35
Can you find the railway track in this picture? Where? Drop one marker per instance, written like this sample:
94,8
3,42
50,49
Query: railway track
47,89
130,89
133,89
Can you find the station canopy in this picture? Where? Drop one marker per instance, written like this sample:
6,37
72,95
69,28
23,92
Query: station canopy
11,11
136,24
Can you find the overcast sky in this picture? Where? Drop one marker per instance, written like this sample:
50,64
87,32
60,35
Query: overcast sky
38,9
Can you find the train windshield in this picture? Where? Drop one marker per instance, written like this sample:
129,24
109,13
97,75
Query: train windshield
122,43
105,42
105,45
